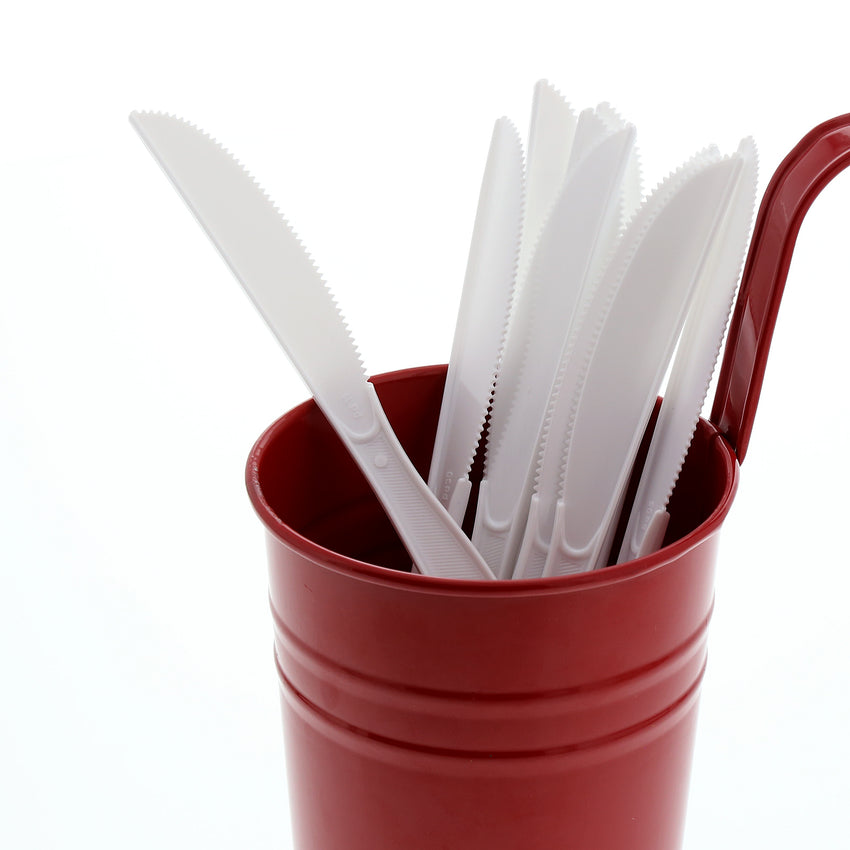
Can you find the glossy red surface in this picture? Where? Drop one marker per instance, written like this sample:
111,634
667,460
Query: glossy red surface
425,713
817,159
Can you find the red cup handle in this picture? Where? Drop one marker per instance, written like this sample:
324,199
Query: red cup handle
819,156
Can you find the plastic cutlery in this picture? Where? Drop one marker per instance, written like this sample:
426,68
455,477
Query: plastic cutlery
283,282
563,255
693,366
591,129
551,133
550,140
593,126
482,320
572,371
619,355
632,195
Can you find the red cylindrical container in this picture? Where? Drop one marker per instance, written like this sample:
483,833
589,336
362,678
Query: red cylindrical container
434,714
424,713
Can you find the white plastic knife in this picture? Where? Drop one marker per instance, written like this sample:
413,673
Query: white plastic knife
539,328
693,366
553,127
283,282
632,195
591,129
619,358
482,320
575,362
550,139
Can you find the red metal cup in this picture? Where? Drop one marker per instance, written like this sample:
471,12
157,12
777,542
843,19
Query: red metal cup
424,713
434,713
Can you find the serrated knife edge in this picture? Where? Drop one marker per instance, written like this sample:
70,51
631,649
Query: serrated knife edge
586,505
693,366
271,264
482,320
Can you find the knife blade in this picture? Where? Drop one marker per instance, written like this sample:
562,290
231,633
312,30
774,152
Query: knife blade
482,320
538,329
693,366
282,280
553,127
550,139
644,296
632,195
561,410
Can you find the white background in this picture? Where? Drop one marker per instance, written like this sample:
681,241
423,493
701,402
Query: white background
139,703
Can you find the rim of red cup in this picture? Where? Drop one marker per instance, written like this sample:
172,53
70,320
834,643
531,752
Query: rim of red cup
607,575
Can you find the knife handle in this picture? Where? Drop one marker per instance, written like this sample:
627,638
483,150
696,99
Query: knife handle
435,543
534,550
497,540
565,558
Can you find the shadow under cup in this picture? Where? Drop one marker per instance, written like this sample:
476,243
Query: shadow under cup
423,713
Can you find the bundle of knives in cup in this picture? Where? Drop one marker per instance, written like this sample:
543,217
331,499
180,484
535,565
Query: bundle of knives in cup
582,298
